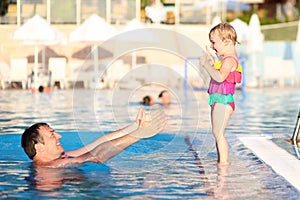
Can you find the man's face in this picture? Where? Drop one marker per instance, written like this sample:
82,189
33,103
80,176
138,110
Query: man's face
51,147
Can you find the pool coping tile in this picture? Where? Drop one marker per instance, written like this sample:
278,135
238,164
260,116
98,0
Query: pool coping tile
282,162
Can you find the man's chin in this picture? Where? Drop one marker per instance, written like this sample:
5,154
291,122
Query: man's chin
61,149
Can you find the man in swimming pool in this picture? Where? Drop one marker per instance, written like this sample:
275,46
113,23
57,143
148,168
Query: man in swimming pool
41,143
165,98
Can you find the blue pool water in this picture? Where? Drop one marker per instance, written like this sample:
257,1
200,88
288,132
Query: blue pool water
178,163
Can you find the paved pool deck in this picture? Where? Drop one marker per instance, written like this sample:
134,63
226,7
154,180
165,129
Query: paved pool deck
282,162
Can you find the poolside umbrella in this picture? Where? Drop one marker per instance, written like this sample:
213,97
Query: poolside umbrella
91,31
44,55
255,43
255,39
139,34
132,25
298,38
241,29
85,53
216,20
36,31
135,39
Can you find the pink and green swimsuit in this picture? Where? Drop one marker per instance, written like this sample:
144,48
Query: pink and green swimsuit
223,92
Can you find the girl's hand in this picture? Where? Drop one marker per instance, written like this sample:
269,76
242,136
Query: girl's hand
209,55
206,59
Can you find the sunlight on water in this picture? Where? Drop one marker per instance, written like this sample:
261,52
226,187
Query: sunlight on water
179,163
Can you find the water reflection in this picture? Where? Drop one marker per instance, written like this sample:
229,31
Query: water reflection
220,191
51,179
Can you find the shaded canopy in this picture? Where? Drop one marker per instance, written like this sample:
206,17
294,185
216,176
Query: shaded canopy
36,31
92,30
256,38
241,28
128,59
47,52
87,53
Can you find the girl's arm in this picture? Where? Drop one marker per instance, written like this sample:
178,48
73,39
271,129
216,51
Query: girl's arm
207,62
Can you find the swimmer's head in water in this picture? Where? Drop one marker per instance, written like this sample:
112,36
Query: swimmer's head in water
147,100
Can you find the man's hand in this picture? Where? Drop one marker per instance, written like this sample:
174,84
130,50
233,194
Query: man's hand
139,116
149,124
143,119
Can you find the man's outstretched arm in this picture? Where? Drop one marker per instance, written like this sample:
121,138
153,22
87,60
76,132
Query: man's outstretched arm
149,125
108,137
100,154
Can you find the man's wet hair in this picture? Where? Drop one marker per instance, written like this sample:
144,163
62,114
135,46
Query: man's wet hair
162,93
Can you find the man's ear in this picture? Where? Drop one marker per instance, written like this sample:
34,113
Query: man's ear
39,147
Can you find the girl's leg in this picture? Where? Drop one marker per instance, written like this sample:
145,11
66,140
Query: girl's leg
220,116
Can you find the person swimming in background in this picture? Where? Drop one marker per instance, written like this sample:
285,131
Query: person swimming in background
224,73
165,98
41,88
147,100
42,144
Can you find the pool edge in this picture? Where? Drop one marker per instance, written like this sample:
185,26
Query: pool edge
282,162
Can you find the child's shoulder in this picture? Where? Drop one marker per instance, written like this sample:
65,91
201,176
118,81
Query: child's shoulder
230,56
218,63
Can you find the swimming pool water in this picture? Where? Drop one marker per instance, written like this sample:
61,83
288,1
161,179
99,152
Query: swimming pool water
178,163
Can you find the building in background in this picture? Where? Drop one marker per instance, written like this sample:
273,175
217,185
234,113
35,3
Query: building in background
122,11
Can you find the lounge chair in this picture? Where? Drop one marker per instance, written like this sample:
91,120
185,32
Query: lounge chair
57,68
17,73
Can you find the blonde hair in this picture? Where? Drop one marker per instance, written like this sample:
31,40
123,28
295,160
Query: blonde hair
225,31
